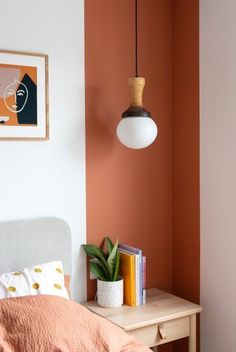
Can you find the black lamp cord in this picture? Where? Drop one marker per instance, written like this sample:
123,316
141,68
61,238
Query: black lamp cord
136,38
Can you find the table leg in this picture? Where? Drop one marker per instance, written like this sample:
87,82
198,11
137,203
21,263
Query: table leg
192,333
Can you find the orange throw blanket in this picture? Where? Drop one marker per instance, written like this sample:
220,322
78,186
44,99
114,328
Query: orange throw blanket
53,324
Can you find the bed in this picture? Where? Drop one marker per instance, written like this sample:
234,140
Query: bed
48,322
30,242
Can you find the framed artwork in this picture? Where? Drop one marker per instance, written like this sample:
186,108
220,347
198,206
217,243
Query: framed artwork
23,96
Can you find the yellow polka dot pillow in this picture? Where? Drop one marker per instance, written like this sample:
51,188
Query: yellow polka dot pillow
44,279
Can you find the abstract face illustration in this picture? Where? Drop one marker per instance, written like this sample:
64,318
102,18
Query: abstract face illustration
18,96
19,93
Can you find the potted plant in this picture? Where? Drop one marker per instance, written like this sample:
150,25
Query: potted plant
105,266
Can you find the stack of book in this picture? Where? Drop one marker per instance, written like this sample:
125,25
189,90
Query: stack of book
133,271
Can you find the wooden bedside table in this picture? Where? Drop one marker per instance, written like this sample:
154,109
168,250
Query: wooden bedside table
164,318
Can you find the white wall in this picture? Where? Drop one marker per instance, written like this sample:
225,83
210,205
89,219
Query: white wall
48,178
218,175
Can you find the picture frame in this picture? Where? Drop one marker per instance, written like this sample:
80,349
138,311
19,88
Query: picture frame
24,106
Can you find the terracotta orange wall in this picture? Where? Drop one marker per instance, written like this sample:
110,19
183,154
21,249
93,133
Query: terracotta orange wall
185,129
148,198
185,117
129,193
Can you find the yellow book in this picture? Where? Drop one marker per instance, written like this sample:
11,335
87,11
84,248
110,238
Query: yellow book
127,271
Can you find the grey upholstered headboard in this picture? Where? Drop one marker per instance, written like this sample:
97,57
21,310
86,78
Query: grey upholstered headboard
30,242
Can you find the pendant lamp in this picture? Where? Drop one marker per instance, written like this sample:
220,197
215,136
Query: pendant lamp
136,130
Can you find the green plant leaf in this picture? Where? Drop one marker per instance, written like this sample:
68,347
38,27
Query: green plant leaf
104,268
109,245
97,270
117,266
94,252
112,260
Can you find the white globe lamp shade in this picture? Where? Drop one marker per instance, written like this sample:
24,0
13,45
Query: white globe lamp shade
137,132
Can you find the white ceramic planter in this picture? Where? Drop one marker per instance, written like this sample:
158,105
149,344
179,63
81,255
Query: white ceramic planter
110,293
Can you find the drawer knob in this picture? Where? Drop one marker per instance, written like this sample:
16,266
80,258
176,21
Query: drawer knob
162,332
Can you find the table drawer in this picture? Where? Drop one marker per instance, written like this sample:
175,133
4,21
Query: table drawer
157,334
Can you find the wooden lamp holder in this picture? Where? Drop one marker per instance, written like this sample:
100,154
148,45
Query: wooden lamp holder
136,109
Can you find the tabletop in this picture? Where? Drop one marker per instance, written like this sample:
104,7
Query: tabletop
160,307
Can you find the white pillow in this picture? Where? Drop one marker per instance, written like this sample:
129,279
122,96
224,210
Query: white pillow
44,279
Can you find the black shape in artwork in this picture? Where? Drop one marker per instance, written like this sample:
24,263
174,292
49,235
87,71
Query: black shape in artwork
28,115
